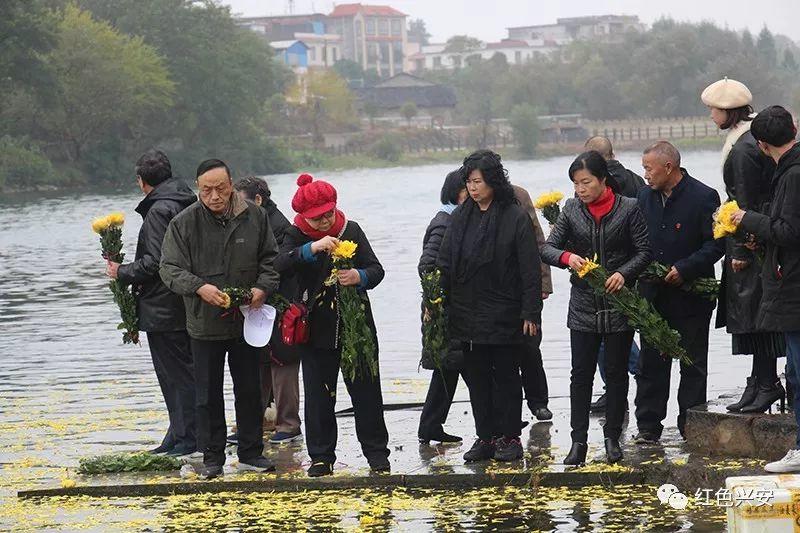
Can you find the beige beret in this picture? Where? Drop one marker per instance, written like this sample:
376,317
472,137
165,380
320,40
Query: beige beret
727,94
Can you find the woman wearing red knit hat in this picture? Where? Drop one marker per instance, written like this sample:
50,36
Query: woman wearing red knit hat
306,250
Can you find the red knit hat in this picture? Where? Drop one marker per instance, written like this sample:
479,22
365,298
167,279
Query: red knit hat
313,198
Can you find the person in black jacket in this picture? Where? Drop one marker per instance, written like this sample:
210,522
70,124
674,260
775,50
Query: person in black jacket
160,311
629,184
492,277
444,380
281,368
747,174
679,211
318,228
779,231
603,225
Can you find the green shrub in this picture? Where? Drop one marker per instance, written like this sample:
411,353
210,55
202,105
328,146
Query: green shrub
22,165
387,148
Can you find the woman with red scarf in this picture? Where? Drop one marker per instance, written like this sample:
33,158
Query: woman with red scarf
602,225
306,250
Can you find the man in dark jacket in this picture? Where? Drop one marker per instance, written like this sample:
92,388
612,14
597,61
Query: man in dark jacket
779,231
222,241
679,211
160,311
279,375
629,182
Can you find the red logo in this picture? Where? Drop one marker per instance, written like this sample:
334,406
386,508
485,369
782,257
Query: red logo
678,225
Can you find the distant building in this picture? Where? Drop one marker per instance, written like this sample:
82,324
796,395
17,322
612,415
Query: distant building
324,49
284,28
435,103
515,52
372,36
567,30
292,53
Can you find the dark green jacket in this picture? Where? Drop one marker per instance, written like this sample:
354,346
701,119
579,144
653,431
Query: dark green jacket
199,249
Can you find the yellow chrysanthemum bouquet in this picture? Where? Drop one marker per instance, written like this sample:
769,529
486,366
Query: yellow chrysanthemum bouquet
640,313
359,348
109,228
548,204
434,323
723,220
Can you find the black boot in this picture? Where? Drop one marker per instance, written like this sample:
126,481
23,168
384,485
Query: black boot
747,398
767,395
613,450
577,454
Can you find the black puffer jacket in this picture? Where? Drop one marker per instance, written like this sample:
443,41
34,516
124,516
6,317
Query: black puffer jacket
323,317
780,230
494,287
621,244
431,242
630,183
158,308
747,174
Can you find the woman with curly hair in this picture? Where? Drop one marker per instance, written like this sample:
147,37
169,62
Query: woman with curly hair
491,272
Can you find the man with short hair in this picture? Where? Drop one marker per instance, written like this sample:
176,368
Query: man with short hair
779,231
160,311
629,182
222,241
281,363
679,211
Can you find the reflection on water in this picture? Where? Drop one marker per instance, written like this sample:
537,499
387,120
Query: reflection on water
65,374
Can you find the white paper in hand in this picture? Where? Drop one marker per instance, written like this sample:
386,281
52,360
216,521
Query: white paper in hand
258,324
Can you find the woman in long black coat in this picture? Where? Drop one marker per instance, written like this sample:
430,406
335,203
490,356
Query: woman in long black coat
444,380
604,225
747,174
492,278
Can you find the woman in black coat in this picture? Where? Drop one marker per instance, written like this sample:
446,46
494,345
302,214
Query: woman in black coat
444,380
747,174
491,275
318,228
604,225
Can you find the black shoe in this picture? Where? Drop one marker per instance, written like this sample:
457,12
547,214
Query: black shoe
320,469
162,449
256,464
577,454
767,395
646,438
380,465
507,449
747,398
481,451
233,438
210,471
613,451
442,437
599,406
180,451
543,413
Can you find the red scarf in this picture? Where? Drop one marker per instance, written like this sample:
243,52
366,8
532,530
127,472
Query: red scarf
335,230
602,206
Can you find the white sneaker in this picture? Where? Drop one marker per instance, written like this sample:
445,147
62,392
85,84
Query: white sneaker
790,463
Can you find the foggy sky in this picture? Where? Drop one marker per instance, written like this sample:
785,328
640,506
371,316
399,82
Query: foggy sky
487,19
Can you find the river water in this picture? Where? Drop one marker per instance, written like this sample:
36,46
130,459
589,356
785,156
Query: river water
69,386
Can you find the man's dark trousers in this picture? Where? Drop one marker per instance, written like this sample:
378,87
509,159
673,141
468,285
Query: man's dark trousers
652,380
534,380
209,368
172,360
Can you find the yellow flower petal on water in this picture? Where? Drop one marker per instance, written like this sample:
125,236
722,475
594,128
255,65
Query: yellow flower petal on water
345,250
